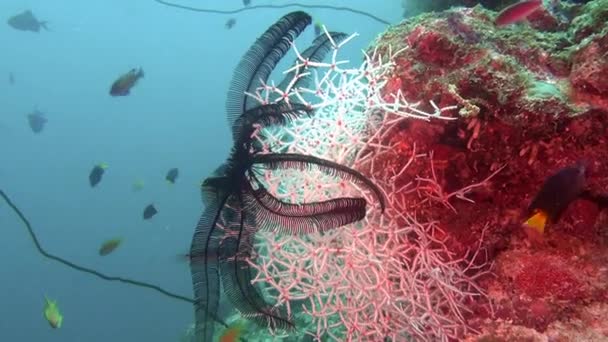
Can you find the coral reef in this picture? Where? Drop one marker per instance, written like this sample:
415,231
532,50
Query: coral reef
387,276
533,99
459,122
413,8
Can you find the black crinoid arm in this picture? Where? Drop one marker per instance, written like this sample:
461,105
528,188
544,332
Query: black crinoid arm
276,161
237,204
204,263
237,274
258,63
221,243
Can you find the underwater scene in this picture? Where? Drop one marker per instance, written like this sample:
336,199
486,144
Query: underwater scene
299,171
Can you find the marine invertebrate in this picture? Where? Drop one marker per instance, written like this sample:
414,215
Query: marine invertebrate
390,275
532,135
237,202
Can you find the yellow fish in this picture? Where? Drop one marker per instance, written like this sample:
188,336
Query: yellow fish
52,314
138,185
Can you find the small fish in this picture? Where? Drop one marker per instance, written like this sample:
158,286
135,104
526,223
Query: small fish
52,314
37,121
230,23
109,246
172,175
11,78
26,21
558,191
138,185
149,212
122,86
517,12
246,2
97,173
318,28
233,332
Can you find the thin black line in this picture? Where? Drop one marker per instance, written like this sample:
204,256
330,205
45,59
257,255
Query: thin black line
72,265
295,4
103,276
79,268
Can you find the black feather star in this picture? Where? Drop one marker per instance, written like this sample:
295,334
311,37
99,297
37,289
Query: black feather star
237,204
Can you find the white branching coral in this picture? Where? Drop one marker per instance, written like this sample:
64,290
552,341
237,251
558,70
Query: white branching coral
388,276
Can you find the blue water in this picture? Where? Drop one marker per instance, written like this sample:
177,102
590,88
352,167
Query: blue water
173,118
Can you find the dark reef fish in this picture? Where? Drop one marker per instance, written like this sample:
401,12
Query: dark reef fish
26,21
97,173
557,192
230,23
237,203
122,86
149,212
246,2
37,121
318,28
172,175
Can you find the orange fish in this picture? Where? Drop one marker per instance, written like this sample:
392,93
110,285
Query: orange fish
233,333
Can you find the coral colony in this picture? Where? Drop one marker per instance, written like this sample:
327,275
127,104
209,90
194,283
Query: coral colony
391,274
459,122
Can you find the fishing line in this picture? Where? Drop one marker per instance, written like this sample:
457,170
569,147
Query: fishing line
295,4
83,269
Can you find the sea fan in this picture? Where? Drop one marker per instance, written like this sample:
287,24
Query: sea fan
238,204
315,53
